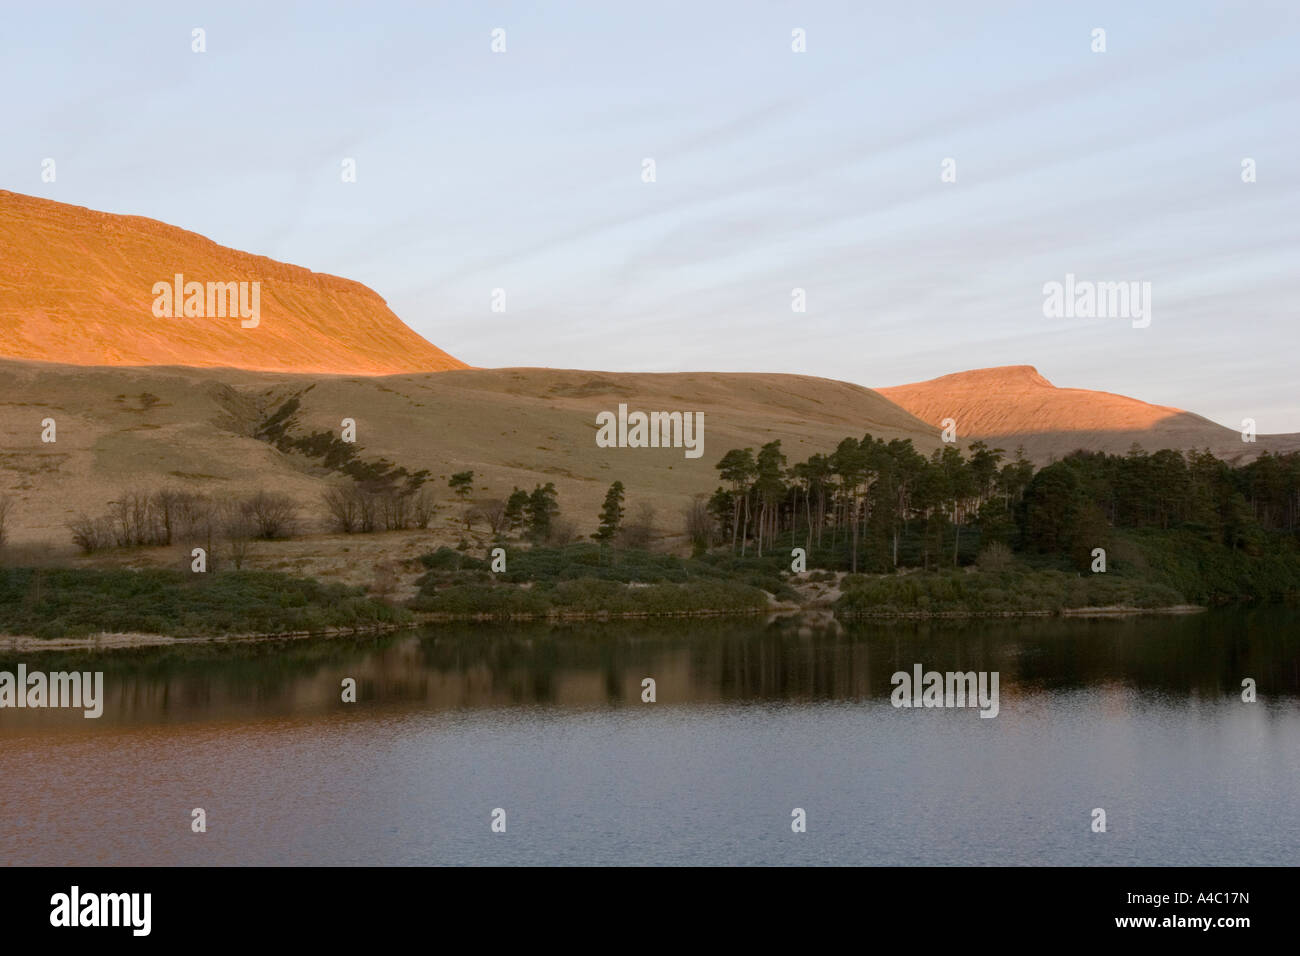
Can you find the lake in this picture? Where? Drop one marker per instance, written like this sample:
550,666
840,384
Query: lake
1142,717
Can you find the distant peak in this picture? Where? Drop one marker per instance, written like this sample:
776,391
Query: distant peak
1017,400
999,376
1019,373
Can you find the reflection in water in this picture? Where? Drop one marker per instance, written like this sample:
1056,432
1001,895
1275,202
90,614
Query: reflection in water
692,662
1141,716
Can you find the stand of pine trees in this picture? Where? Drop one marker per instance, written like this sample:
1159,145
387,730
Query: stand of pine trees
873,506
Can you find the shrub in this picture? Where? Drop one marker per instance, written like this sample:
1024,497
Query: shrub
343,506
699,525
91,534
445,559
998,592
637,533
422,508
273,515
996,557
238,526
385,580
90,601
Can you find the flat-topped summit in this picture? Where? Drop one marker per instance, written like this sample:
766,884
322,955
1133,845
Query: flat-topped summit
78,287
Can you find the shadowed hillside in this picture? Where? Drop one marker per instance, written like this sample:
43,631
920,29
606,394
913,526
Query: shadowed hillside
195,429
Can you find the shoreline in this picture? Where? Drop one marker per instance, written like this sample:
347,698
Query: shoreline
1116,610
128,641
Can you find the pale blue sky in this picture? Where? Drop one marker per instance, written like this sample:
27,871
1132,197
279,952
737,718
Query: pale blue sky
775,170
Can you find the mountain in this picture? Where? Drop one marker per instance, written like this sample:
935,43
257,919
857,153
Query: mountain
77,298
77,287
1015,405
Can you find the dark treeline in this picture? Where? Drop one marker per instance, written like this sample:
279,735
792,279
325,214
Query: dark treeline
872,505
373,476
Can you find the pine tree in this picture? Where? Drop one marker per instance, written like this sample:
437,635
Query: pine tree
542,509
611,514
516,509
462,483
738,467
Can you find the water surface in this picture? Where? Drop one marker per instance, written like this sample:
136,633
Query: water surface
1140,716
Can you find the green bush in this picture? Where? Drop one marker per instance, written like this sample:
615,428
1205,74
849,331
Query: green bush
65,602
590,596
997,592
585,578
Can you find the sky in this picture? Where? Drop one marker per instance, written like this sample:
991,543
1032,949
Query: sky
774,170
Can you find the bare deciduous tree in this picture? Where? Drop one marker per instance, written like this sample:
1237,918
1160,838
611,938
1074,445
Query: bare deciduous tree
238,526
89,534
638,532
166,505
353,508
132,519
273,515
395,510
423,508
494,513
471,516
562,531
343,507
367,511
192,515
699,523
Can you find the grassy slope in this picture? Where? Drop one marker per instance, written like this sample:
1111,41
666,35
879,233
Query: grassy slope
510,426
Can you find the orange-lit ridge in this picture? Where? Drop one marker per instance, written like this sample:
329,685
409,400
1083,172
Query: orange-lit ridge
1016,400
77,287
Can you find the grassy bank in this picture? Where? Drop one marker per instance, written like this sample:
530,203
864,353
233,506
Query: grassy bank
584,579
1018,591
1146,571
576,581
63,602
